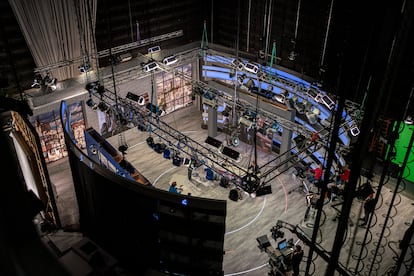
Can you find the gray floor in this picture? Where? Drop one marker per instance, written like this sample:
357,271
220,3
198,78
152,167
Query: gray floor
252,217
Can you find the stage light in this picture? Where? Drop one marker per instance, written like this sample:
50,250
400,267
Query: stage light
409,120
103,106
141,100
91,104
313,115
93,149
101,90
37,82
292,55
275,126
354,130
249,84
86,67
53,84
50,82
235,141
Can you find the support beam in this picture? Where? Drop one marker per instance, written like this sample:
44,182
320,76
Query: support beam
212,122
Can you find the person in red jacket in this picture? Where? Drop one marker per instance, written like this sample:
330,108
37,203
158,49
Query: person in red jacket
317,175
341,179
343,175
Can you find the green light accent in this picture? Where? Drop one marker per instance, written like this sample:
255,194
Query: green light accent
401,145
273,58
204,40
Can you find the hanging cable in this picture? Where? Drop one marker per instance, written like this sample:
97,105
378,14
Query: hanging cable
91,24
204,40
234,117
293,54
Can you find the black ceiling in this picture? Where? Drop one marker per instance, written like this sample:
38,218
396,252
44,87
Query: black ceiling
362,34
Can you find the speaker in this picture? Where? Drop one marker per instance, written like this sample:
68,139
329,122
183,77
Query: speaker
224,182
159,147
234,195
212,141
150,142
177,161
132,96
230,153
264,190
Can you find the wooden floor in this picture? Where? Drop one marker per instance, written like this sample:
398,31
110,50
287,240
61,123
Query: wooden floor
251,217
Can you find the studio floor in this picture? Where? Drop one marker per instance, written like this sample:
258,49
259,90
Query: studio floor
252,217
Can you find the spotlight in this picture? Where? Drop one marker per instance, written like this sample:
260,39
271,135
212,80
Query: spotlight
292,55
141,100
101,90
240,78
354,130
91,104
53,84
86,67
92,87
313,115
234,141
37,82
409,120
103,106
93,149
249,84
50,82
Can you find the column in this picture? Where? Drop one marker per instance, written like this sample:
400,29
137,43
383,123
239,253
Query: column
212,122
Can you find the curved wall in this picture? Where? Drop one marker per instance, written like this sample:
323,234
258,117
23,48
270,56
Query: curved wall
143,227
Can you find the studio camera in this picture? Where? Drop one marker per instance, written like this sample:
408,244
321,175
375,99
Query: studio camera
276,232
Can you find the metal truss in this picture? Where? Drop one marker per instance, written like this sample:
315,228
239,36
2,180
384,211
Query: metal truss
353,109
212,157
272,170
136,72
209,156
114,50
295,229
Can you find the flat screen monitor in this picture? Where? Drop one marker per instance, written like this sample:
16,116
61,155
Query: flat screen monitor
282,244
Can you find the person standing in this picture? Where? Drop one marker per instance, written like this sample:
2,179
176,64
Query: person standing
297,256
369,207
343,175
341,179
317,176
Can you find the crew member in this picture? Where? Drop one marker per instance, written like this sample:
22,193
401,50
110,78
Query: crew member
369,207
175,189
341,179
317,175
297,256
